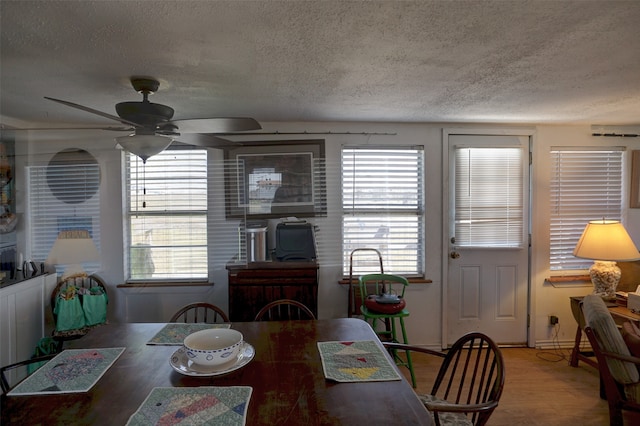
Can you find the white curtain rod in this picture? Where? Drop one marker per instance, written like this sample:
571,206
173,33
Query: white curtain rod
309,133
615,131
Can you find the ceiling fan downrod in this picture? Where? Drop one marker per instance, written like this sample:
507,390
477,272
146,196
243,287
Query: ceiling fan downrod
144,85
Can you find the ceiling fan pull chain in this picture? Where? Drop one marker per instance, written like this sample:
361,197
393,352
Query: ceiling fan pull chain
136,192
144,184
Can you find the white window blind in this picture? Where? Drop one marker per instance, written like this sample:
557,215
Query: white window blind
489,197
167,215
586,184
78,208
383,207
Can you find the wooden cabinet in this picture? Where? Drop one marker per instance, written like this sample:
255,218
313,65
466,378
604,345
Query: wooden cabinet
253,285
22,319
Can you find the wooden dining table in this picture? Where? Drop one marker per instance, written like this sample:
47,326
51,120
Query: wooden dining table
286,375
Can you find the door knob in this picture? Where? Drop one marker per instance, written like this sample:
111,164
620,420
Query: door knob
454,255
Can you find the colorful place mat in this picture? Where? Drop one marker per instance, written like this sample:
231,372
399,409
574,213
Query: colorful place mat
174,333
73,370
361,361
206,405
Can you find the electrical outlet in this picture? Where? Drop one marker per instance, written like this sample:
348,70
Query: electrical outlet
553,320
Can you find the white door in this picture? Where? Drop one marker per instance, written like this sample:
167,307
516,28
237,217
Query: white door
487,272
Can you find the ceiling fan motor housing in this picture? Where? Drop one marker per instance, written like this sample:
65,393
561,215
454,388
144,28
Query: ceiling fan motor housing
144,113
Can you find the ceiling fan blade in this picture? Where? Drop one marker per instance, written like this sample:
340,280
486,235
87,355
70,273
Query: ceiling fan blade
112,129
207,141
94,111
216,125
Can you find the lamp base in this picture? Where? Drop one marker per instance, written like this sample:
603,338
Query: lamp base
605,276
73,271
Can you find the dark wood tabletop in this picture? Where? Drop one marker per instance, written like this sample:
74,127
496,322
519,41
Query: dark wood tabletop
289,387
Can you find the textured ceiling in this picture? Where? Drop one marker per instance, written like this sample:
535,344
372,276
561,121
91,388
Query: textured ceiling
423,61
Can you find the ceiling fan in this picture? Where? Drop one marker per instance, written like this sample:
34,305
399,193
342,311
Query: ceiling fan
153,129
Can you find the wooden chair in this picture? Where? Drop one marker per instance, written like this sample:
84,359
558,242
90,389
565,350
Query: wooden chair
4,382
284,310
618,369
79,282
375,285
200,312
469,382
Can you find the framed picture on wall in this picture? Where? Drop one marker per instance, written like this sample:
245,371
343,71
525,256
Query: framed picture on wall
8,218
275,179
634,201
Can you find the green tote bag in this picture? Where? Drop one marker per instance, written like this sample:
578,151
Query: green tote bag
94,305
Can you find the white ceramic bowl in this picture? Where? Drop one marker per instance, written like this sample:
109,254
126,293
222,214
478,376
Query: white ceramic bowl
214,346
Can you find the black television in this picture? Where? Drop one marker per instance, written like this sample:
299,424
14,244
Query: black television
295,242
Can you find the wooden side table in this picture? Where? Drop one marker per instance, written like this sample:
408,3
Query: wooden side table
253,285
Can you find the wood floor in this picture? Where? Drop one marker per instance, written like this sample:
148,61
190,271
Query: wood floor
540,389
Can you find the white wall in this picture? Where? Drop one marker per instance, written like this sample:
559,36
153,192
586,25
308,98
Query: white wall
424,300
551,299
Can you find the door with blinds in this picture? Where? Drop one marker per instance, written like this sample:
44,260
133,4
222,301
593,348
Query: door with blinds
488,223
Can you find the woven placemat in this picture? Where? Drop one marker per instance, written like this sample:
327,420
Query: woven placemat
359,361
174,333
73,370
207,405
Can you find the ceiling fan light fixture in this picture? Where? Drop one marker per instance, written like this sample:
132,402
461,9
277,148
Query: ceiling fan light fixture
144,146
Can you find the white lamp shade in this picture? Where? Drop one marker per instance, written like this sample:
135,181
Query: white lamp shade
606,240
73,247
144,146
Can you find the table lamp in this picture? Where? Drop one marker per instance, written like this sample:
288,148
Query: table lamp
605,242
72,248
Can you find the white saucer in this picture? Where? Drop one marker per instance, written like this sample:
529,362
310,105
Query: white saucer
183,365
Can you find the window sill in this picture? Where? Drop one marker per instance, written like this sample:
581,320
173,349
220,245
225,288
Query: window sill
165,287
146,284
414,280
568,278
569,281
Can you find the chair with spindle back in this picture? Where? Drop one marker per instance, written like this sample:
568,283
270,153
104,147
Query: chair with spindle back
78,285
4,380
469,383
284,310
383,316
200,312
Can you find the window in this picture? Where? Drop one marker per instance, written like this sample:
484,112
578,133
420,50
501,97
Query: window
167,215
586,184
52,210
383,207
489,197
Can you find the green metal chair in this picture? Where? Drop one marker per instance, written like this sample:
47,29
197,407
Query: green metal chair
375,285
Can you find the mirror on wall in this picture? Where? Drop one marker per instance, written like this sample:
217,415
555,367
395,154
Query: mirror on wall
82,166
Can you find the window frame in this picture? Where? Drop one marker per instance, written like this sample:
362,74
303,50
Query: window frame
389,211
475,218
202,213
563,237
